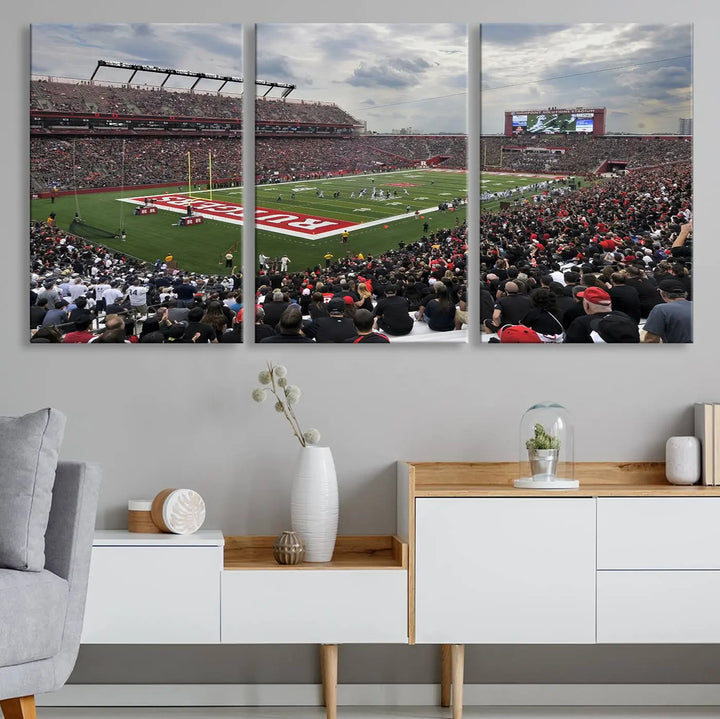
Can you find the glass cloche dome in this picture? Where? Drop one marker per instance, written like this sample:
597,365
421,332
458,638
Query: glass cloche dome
546,449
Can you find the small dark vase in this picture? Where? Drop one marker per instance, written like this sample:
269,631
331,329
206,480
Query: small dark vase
288,549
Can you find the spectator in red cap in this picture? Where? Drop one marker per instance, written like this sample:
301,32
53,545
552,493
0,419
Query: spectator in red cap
596,301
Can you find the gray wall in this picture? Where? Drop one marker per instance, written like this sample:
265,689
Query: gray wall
156,418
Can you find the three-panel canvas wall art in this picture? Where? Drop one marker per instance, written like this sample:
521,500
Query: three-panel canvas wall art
363,221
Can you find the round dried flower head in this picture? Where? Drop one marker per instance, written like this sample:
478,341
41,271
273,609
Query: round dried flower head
280,371
282,382
258,395
292,398
264,377
279,407
312,436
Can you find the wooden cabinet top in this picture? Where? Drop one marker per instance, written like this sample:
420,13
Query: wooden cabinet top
364,552
495,479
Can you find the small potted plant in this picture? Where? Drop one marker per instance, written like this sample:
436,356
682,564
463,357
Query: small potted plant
543,451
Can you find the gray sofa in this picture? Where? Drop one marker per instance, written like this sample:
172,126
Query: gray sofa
41,612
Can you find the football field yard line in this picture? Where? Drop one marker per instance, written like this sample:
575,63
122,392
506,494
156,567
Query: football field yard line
361,176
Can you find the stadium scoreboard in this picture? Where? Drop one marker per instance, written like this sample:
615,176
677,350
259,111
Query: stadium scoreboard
555,121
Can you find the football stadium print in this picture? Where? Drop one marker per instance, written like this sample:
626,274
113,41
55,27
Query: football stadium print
586,223
363,125
361,191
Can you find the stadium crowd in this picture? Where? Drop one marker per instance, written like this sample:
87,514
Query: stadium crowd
580,153
84,97
282,159
620,246
628,238
116,161
80,287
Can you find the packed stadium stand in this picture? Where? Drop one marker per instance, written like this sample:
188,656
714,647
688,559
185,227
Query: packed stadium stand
96,162
581,154
92,136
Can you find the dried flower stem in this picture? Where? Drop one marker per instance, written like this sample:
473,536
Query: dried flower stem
286,407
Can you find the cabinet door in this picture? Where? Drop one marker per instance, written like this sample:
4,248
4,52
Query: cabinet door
505,570
153,595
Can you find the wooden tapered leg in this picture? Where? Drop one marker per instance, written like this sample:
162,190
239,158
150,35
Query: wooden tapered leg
19,708
329,661
457,652
322,674
445,675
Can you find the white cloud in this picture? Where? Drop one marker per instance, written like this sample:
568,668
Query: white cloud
642,74
390,75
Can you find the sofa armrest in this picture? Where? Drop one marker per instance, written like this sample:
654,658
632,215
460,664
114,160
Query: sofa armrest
69,536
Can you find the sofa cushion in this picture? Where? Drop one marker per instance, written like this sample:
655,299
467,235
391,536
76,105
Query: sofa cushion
29,447
32,615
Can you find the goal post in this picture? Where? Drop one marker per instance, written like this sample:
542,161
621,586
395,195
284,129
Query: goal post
189,176
190,195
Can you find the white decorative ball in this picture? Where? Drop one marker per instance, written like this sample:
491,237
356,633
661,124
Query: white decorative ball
183,511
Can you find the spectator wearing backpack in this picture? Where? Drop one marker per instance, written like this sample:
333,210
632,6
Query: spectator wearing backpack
601,323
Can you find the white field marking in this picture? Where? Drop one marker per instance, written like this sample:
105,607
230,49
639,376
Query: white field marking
363,209
383,221
520,174
294,233
358,177
355,228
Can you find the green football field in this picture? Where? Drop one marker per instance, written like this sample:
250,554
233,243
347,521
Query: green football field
381,223
378,224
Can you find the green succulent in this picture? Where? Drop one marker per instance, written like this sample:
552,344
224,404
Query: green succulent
542,440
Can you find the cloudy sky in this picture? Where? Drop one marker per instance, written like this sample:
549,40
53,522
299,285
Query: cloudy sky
642,74
389,75
72,51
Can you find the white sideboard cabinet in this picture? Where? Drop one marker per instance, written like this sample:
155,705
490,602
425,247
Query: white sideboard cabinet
625,558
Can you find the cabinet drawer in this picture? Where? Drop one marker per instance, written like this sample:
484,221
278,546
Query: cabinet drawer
287,606
658,532
153,595
658,607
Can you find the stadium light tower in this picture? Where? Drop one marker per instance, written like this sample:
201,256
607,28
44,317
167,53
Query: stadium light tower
287,88
168,72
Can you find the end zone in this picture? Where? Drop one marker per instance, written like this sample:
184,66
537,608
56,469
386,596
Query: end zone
285,223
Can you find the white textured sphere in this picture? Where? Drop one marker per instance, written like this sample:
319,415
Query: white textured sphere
183,511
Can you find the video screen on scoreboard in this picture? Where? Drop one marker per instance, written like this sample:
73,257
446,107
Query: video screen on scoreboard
552,123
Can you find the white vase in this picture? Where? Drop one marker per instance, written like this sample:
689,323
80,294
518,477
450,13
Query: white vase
314,503
682,460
